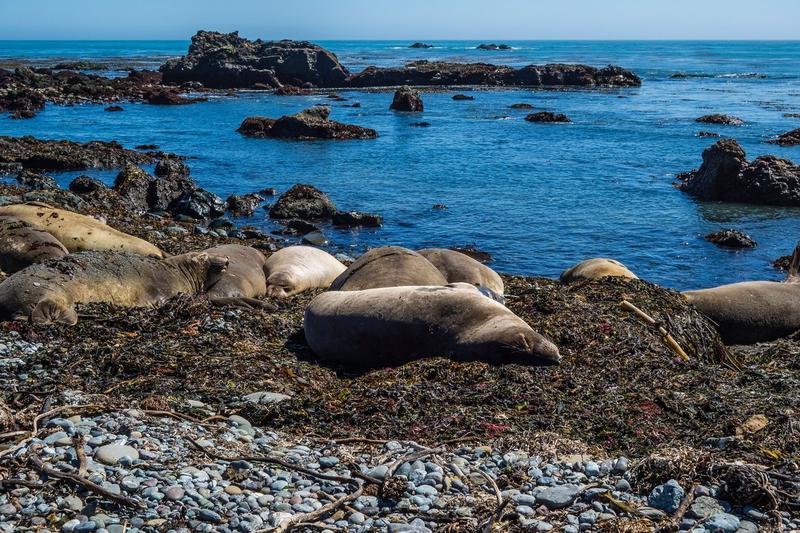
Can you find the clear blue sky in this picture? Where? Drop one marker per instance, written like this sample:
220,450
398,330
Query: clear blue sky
403,19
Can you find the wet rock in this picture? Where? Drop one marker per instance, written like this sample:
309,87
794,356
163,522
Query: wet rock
243,205
731,238
80,65
407,99
708,134
114,109
146,147
492,47
304,202
353,219
475,253
35,180
291,90
420,124
32,153
312,123
547,116
521,106
132,184
21,103
300,227
170,97
198,204
667,497
56,198
727,175
315,238
726,120
790,138
463,97
171,167
225,60
421,45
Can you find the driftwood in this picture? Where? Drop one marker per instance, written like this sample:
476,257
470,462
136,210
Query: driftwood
650,321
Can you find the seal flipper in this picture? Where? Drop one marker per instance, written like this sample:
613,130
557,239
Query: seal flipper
48,312
794,266
242,302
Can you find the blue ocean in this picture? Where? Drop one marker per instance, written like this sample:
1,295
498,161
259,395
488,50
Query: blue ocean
538,197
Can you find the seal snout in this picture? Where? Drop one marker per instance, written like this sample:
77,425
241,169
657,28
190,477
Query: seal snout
546,352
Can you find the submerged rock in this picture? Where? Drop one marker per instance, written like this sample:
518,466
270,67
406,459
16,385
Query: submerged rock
726,120
303,202
521,106
170,97
407,99
114,109
790,138
312,123
492,46
421,45
463,97
726,175
352,219
547,116
243,205
731,238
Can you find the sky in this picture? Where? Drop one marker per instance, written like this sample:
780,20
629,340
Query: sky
403,19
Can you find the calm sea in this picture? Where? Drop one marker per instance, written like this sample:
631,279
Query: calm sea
538,197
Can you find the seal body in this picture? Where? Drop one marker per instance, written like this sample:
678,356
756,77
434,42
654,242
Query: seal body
78,232
392,325
388,266
294,269
22,245
751,311
47,292
457,267
597,268
244,275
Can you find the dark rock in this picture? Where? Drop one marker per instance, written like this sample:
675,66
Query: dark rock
791,115
439,206
143,192
727,175
171,167
335,96
243,205
146,147
132,184
420,124
790,138
300,227
80,65
731,238
547,116
221,223
67,155
352,219
114,108
492,47
473,252
164,190
21,102
228,61
170,97
421,45
55,197
521,106
304,202
463,97
709,134
35,180
313,123
292,90
783,263
726,120
269,191
198,204
407,99
85,184
354,104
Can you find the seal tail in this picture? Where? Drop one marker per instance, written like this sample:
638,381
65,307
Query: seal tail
794,266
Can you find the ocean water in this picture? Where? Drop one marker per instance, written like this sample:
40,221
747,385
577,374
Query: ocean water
538,197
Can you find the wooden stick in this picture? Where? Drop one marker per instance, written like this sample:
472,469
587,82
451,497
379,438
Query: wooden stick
650,321
412,457
36,421
77,441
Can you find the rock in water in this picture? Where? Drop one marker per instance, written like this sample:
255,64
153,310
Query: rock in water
352,219
243,205
726,120
727,175
731,238
547,116
303,202
35,180
407,99
313,123
492,47
463,97
170,97
225,60
790,138
421,45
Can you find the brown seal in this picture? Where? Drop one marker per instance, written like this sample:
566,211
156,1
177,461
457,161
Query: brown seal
294,269
457,267
22,245
243,281
389,266
392,325
47,292
78,232
597,268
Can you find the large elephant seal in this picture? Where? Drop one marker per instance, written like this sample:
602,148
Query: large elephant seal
77,232
597,268
392,325
750,311
244,276
22,245
457,267
294,269
389,266
47,292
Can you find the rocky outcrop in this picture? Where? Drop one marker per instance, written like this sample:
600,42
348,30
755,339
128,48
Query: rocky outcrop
198,204
85,184
353,219
492,47
790,138
726,175
725,120
132,184
170,97
521,106
21,103
421,45
36,180
225,60
142,192
547,116
310,124
32,153
243,205
407,99
731,238
303,202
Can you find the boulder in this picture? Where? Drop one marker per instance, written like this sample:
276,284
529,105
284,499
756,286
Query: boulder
114,109
521,106
421,45
731,238
310,124
547,116
225,60
492,47
726,175
726,120
303,202
790,138
132,184
463,97
243,205
171,167
667,497
198,204
407,99
352,219
21,103
170,97
35,180
143,192
86,184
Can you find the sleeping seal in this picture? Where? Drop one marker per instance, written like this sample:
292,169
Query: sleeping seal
392,325
47,292
389,266
458,267
293,269
77,232
243,282
22,245
597,268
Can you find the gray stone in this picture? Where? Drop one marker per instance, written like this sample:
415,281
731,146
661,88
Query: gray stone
207,515
722,521
558,497
746,526
620,466
265,397
667,497
111,454
704,506
8,509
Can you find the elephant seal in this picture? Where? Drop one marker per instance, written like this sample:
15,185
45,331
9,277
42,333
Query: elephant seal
597,268
22,245
294,269
393,325
243,282
388,266
458,267
77,232
47,292
750,311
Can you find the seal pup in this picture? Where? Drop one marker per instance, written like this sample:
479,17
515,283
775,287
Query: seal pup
294,269
458,267
243,282
596,268
388,266
47,292
22,245
78,232
393,325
